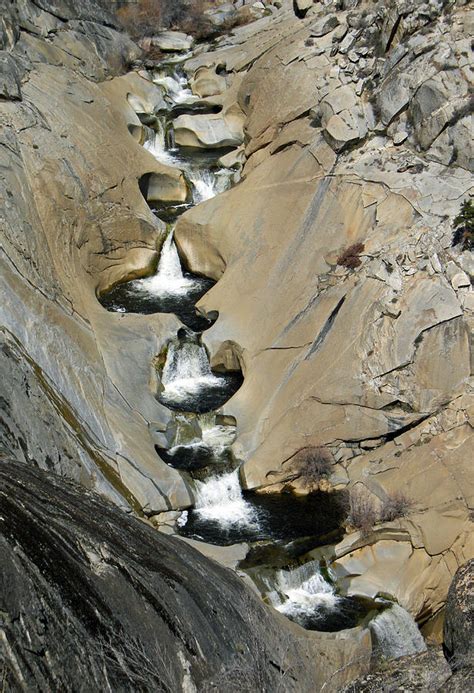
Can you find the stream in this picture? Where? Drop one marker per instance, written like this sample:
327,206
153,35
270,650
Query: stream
280,528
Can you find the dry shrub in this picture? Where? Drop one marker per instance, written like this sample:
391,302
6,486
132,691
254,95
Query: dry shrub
312,464
362,513
396,505
146,17
350,257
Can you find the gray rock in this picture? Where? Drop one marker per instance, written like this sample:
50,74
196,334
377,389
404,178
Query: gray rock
459,619
10,80
172,41
324,26
427,671
114,604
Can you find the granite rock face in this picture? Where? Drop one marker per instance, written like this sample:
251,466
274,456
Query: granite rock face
93,599
354,137
74,222
459,619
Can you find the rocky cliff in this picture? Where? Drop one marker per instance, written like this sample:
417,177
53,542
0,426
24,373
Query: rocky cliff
339,292
356,141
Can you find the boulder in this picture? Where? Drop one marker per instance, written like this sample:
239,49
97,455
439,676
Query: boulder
169,186
172,41
206,132
114,601
459,619
421,672
206,82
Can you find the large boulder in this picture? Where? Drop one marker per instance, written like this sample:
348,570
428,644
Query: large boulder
206,132
174,41
459,619
93,599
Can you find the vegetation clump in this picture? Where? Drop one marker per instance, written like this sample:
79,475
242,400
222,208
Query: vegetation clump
145,18
464,226
350,256
362,513
312,464
395,506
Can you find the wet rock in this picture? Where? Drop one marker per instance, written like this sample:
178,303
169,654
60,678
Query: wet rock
425,671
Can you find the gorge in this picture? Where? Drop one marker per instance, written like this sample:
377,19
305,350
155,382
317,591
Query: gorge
233,307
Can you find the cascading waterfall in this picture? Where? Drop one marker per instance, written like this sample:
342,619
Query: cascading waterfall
207,184
186,372
175,86
219,499
156,142
396,634
300,592
169,278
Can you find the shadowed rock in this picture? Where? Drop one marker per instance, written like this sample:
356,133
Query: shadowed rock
96,600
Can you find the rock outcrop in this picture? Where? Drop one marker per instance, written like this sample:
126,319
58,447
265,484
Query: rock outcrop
74,222
95,600
459,620
355,137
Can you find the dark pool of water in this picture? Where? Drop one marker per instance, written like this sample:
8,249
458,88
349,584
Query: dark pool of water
130,298
349,612
279,517
208,398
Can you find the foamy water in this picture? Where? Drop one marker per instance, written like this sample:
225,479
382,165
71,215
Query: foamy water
220,499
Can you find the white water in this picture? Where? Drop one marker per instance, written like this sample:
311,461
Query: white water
302,592
169,279
176,87
155,143
186,372
396,634
220,499
207,434
207,184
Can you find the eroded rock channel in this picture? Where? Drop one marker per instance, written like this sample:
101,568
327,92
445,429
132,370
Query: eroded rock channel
279,529
277,371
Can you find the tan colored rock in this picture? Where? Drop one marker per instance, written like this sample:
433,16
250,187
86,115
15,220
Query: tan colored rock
205,131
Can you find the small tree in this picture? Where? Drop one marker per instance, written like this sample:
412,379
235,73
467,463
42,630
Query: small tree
396,505
464,226
362,513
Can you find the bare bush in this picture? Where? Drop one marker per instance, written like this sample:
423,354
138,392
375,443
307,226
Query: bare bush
362,512
146,17
350,257
312,464
396,505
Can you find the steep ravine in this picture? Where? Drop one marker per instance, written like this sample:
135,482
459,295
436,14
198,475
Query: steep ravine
318,123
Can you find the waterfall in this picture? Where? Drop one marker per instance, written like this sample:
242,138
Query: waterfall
169,278
156,142
220,499
175,86
171,139
186,372
301,592
396,634
207,184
